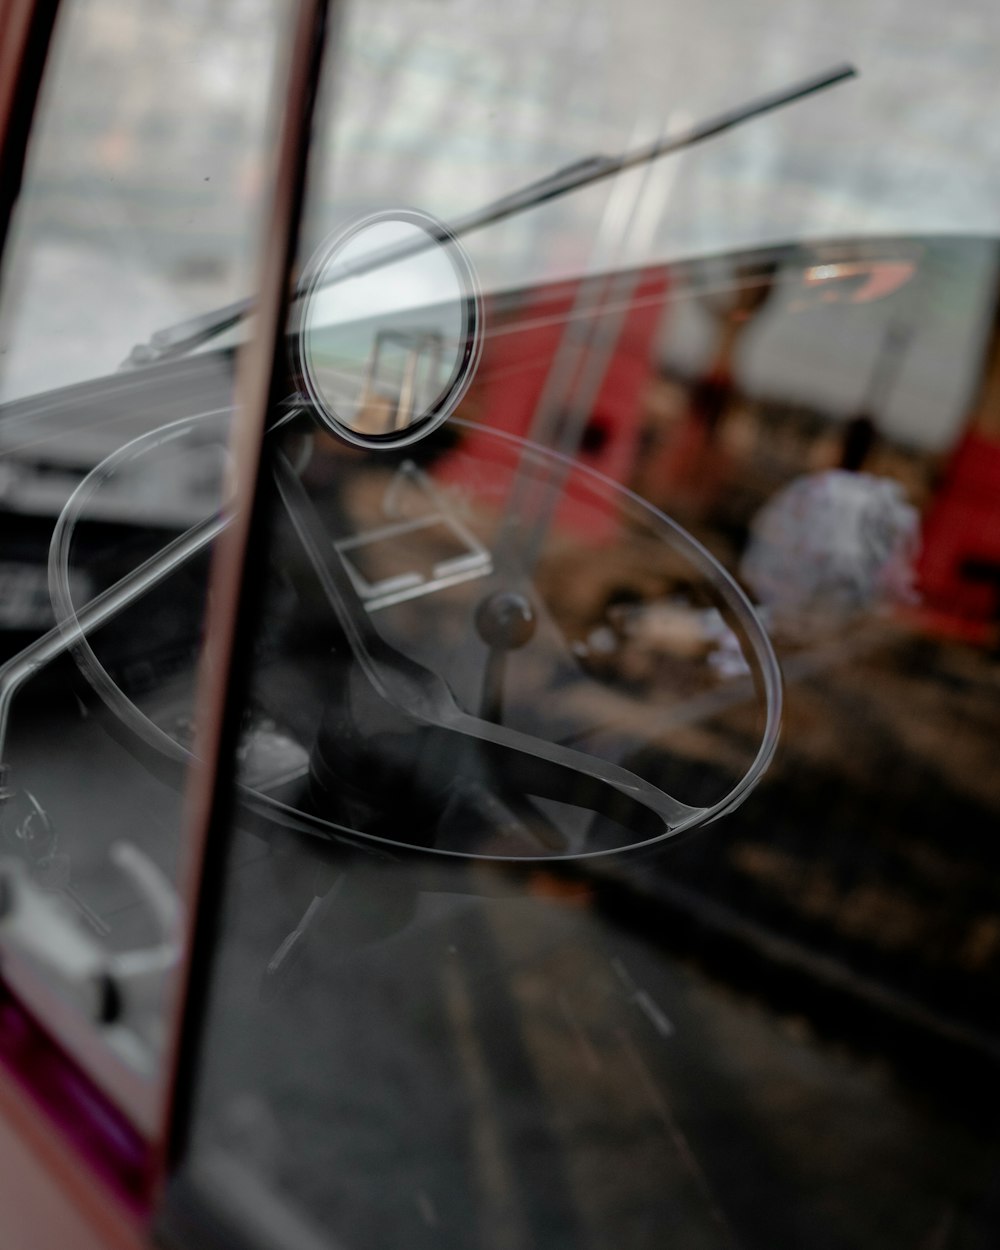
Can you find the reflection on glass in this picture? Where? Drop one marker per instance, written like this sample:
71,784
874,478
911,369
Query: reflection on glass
422,611
139,205
488,650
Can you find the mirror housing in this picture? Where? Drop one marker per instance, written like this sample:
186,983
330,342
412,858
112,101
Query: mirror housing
391,329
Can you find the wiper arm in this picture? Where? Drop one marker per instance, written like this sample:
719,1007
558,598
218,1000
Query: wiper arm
186,335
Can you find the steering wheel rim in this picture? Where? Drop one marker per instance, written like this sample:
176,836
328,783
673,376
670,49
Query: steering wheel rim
686,819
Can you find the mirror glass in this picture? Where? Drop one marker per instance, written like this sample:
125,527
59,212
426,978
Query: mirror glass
389,330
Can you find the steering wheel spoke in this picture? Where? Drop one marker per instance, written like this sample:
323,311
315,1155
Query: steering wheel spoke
422,700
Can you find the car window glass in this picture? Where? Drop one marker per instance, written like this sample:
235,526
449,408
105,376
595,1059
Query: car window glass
140,203
143,185
530,929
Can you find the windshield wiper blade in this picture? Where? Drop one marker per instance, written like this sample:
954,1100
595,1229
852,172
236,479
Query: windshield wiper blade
186,335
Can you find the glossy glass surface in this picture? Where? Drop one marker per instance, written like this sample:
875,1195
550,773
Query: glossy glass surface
139,202
547,944
609,854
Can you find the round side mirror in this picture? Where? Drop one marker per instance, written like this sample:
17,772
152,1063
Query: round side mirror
391,329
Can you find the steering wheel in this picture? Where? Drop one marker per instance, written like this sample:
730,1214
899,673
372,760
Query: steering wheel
463,693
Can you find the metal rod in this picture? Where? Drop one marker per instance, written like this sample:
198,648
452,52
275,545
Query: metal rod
180,338
99,611
236,579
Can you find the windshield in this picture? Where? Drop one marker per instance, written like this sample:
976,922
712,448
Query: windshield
600,793
568,939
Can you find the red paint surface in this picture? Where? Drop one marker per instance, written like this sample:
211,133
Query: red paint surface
80,1111
962,528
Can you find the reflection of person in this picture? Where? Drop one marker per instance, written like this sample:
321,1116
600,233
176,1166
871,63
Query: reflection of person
829,547
859,439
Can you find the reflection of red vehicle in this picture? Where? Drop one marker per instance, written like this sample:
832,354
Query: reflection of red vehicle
600,418
960,562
